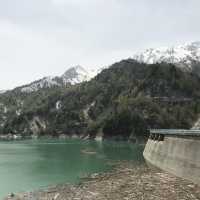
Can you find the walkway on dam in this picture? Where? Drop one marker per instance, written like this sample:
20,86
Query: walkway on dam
176,132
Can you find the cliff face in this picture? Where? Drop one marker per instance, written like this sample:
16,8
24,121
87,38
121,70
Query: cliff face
121,102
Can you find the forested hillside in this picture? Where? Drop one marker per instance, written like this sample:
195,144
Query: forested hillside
121,102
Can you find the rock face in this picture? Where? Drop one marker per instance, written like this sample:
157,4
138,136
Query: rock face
37,125
185,56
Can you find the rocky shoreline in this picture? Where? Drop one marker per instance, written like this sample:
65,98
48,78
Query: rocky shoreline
127,181
13,137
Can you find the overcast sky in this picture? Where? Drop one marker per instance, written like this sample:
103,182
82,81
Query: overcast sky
45,37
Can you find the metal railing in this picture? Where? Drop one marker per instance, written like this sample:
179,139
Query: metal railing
182,132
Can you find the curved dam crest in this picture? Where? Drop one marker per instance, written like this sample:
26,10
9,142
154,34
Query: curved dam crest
175,151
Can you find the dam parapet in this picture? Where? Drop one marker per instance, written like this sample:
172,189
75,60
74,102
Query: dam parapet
176,151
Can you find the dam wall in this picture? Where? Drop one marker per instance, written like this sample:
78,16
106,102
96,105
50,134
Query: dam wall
175,151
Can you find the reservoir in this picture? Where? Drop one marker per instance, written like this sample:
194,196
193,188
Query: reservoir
35,164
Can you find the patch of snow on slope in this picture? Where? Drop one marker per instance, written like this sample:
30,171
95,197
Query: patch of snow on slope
43,83
58,105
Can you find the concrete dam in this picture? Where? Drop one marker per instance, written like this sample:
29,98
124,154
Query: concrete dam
175,151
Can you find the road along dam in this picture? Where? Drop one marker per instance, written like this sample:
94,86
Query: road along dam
175,151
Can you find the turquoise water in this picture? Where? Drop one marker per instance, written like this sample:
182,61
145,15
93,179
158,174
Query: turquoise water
34,164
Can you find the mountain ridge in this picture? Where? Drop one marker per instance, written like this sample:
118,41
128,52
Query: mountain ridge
184,56
74,75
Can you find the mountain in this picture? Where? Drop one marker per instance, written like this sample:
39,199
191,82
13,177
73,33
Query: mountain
159,88
186,56
121,102
72,76
2,91
77,75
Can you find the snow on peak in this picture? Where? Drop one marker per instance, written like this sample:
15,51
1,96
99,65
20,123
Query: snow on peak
2,91
73,75
184,54
78,74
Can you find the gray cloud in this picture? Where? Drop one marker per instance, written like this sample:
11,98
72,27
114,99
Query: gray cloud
45,37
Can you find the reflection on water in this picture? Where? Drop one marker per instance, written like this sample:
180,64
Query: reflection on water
29,165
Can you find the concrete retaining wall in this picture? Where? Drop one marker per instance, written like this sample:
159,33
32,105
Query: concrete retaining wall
178,155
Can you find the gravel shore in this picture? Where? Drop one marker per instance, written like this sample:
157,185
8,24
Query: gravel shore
125,182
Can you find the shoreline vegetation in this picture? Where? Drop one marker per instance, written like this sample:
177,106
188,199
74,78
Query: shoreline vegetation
126,181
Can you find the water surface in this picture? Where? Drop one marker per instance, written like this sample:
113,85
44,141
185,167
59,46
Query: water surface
34,164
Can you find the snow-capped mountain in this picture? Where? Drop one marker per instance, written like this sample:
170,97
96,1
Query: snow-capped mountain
184,56
2,91
73,75
77,74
